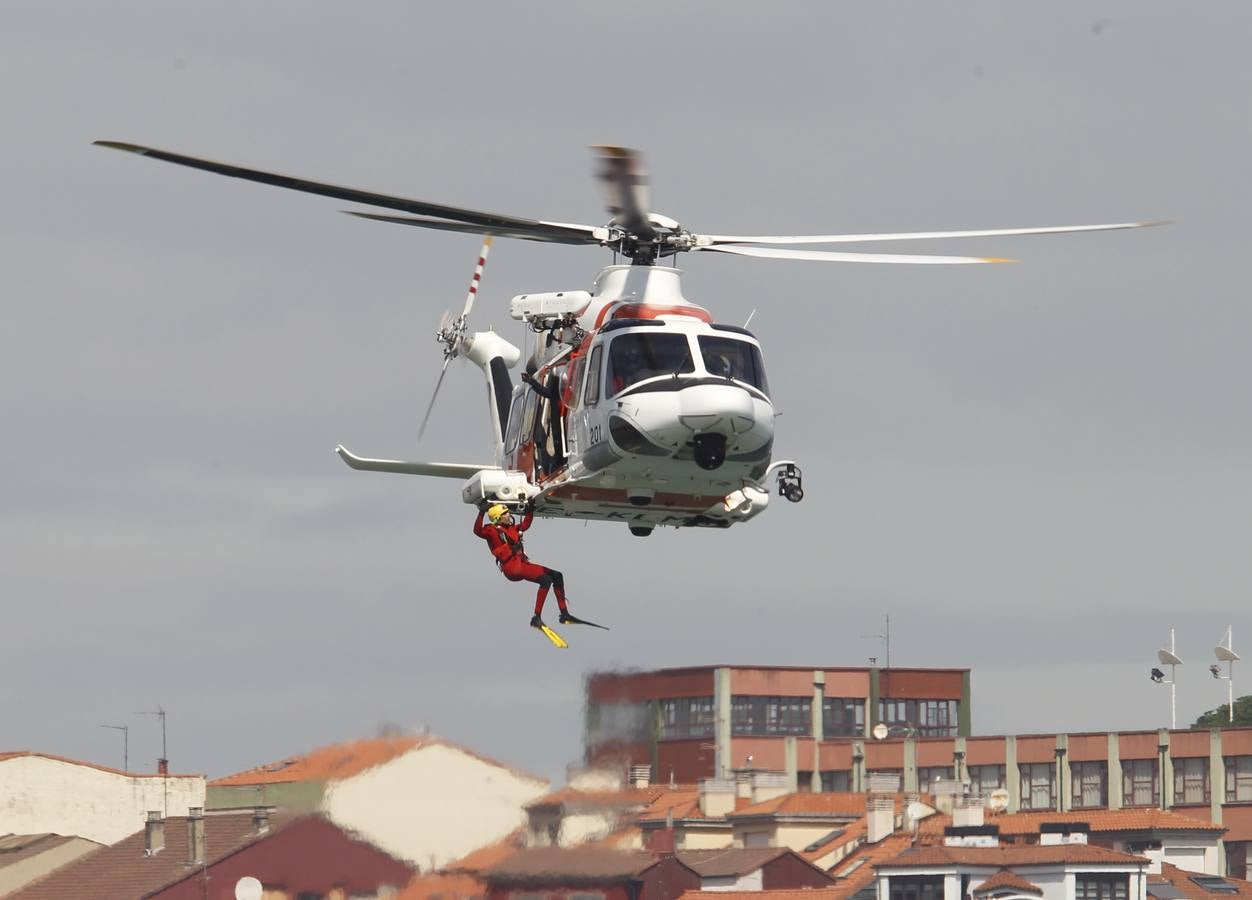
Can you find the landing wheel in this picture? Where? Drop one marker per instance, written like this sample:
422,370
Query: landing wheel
641,530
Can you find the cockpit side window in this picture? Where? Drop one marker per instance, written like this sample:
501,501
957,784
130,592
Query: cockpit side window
592,396
730,358
636,356
515,422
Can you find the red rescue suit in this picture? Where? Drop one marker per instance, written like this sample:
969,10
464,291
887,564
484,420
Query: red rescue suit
505,542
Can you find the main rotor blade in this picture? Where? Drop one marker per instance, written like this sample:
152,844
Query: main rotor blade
549,232
714,239
431,405
490,220
626,189
476,279
833,256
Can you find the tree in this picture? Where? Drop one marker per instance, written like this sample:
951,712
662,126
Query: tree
1220,717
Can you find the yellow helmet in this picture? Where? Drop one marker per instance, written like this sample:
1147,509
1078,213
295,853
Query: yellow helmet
497,512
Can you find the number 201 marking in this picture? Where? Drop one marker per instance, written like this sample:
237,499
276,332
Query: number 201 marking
594,434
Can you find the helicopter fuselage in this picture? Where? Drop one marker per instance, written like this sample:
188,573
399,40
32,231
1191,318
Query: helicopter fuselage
650,412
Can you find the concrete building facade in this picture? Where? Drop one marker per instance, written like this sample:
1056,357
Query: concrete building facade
41,793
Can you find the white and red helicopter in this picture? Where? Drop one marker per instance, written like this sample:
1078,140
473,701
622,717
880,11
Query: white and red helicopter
646,410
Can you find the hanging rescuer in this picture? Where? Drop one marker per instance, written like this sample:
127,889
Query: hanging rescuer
504,537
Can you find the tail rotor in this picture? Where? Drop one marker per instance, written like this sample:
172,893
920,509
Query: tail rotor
452,332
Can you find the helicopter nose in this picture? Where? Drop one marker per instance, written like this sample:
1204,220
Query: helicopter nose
716,408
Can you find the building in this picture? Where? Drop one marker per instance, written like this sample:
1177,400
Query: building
1058,872
419,797
705,722
27,857
203,857
41,793
764,869
589,874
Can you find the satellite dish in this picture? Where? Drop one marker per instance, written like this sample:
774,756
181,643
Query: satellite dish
998,800
918,811
1168,657
1225,652
881,731
248,888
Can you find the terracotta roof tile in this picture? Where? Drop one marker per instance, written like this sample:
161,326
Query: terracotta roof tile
819,804
590,864
802,894
1001,857
1026,823
729,861
489,854
444,886
1182,880
626,797
856,871
1007,880
852,832
339,761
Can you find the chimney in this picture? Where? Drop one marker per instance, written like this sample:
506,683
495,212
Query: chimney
768,785
717,797
163,766
967,812
153,833
260,820
880,818
640,776
1053,833
971,836
195,836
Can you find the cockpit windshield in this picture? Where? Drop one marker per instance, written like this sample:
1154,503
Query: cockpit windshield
636,356
727,357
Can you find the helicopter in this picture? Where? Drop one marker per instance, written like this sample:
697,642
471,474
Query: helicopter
636,405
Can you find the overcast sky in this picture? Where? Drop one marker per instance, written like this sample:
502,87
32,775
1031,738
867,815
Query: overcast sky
1034,469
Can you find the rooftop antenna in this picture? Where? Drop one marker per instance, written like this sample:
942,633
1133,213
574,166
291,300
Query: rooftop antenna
163,764
885,637
125,730
1225,653
1171,659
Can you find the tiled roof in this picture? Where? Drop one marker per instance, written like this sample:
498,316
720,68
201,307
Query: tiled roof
17,754
1007,880
122,870
444,886
1184,882
589,864
856,871
819,804
853,831
490,854
802,894
730,861
626,797
16,847
339,761
1029,855
1024,823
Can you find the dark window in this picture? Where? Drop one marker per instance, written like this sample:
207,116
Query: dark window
843,717
1140,786
1238,778
685,717
576,378
915,887
637,356
771,715
1101,887
985,779
928,718
1038,785
593,377
730,358
515,421
928,775
804,782
1191,780
837,781
1089,784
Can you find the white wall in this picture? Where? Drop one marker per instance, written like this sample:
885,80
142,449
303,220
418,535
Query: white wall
753,881
39,795
432,805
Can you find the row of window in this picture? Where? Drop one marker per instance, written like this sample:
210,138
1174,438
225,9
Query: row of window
1088,782
1087,887
686,717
